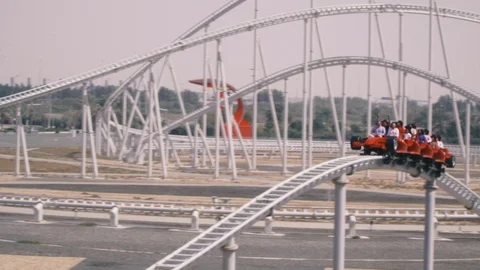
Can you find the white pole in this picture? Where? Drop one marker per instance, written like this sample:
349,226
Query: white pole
272,102
285,129
430,38
204,122
180,100
195,147
109,135
150,125
305,101
84,131
329,90
405,98
400,59
369,76
344,112
25,152
218,114
255,94
339,228
124,107
19,139
454,99
228,115
429,240
242,143
92,142
393,97
310,97
161,135
127,127
467,140
205,146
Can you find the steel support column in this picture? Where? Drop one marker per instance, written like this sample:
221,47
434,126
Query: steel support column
454,99
229,256
429,239
304,91
430,38
84,132
344,112
387,73
339,235
468,119
18,121
310,96
204,99
255,93
285,129
369,76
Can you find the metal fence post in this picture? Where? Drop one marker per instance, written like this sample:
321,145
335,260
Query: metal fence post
114,216
38,212
268,225
195,225
352,226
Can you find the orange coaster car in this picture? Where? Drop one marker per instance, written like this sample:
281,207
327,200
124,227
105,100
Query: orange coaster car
377,145
417,154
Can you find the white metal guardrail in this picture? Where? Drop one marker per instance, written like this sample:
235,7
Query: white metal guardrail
212,210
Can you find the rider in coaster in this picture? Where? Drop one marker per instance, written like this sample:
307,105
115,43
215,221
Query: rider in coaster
386,126
400,127
439,142
393,131
408,134
378,130
428,139
421,136
434,143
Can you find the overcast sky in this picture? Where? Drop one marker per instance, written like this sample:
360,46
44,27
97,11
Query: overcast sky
59,38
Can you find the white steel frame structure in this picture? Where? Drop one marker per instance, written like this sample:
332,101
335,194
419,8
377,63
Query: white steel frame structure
153,140
116,138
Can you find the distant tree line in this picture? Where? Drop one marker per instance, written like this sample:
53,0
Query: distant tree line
67,106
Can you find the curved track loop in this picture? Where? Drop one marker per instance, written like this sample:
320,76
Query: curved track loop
261,206
330,62
226,32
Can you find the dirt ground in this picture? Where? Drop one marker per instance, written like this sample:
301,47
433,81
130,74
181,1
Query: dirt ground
65,160
17,262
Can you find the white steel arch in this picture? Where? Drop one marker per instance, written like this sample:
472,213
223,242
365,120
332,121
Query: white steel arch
261,206
330,62
226,32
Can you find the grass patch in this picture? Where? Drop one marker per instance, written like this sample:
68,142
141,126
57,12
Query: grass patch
88,224
31,242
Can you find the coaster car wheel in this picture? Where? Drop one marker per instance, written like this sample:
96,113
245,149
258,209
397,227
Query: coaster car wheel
353,140
451,162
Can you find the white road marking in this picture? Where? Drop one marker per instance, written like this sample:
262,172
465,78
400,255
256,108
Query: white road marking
8,241
118,250
99,249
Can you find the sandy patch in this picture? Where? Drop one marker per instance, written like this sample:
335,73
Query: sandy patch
16,262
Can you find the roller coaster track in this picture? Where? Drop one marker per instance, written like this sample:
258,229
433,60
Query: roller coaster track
261,206
189,42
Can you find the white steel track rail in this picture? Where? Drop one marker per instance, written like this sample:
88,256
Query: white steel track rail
263,205
186,43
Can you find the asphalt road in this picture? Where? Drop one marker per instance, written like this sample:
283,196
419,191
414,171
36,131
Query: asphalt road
228,191
139,247
42,140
